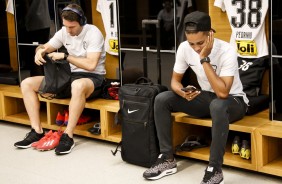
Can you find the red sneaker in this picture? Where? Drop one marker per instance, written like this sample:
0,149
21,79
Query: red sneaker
50,143
60,119
83,119
66,118
43,139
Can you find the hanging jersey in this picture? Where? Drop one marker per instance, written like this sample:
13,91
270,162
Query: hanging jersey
107,8
247,21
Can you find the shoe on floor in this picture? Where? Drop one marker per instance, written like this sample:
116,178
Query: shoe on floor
43,139
51,142
30,138
161,168
212,176
65,146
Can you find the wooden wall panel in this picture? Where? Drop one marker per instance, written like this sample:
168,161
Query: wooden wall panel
12,41
219,22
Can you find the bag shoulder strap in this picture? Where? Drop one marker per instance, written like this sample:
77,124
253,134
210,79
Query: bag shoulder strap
116,150
145,80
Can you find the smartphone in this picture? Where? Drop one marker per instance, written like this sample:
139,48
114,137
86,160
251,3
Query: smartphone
190,88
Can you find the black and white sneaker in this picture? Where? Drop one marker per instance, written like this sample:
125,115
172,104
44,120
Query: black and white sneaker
30,138
161,168
65,145
212,176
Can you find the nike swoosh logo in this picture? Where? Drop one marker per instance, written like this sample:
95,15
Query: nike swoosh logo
67,43
129,111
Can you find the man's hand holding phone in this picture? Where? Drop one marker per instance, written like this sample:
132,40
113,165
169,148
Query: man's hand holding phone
190,92
189,89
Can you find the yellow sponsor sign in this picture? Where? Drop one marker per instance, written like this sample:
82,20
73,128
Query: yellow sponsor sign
113,45
246,47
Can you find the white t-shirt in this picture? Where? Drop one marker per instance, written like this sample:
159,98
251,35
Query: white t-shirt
223,60
247,21
108,8
89,40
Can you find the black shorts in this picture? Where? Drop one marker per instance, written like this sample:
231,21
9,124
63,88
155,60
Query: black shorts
96,79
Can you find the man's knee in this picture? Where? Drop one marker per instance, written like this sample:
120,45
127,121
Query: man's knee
25,82
161,98
81,87
218,106
164,99
28,84
77,86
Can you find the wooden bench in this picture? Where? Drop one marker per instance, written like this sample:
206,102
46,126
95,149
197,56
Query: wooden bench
104,111
185,125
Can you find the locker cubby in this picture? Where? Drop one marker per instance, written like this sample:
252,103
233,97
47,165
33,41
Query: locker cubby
113,127
269,138
14,110
184,125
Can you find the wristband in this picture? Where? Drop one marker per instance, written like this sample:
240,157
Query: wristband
205,59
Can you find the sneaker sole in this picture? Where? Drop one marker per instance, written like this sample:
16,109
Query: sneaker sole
236,152
42,150
65,152
45,149
23,147
165,173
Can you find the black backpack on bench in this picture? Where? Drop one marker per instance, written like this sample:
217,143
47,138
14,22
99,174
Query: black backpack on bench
139,144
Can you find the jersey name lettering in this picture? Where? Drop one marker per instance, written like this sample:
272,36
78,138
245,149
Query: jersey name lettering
243,35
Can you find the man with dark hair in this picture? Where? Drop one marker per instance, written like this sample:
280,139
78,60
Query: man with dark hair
221,96
86,56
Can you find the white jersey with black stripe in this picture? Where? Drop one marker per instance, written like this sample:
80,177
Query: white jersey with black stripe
247,21
108,10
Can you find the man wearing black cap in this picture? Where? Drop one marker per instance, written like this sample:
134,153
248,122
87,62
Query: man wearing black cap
221,96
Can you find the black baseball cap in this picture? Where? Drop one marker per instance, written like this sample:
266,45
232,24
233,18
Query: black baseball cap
201,21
